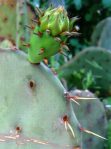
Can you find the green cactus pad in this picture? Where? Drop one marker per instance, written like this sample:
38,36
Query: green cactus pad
102,34
8,22
94,59
91,114
32,106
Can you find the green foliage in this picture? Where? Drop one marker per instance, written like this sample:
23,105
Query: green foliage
81,79
90,13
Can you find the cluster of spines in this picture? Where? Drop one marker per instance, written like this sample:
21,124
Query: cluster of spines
66,119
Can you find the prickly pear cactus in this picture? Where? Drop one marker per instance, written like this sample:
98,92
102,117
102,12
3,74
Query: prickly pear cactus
91,114
50,34
8,21
33,111
102,35
95,59
14,15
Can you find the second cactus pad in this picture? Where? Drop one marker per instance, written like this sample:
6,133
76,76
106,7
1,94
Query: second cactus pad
94,59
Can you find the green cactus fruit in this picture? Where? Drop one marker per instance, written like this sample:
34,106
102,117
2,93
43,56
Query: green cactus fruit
50,34
94,59
91,114
56,20
102,35
34,113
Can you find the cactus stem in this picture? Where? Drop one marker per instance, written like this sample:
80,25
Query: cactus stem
90,132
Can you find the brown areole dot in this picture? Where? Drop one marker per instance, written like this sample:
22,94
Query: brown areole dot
18,129
65,118
32,84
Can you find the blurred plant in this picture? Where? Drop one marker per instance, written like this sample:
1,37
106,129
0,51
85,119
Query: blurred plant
88,80
90,14
82,80
106,3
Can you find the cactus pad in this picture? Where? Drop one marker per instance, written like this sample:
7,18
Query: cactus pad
102,35
94,59
32,106
8,21
91,115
